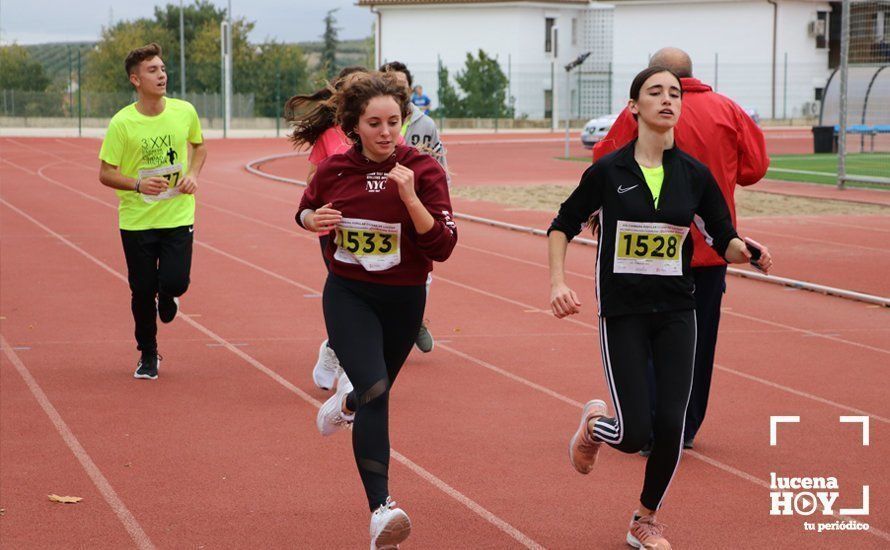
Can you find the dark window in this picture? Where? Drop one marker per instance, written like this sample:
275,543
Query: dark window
819,93
549,23
821,30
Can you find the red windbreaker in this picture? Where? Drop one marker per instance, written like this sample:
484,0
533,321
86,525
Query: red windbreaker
376,240
717,132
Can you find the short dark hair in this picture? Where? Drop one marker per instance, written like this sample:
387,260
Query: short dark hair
399,67
637,85
137,56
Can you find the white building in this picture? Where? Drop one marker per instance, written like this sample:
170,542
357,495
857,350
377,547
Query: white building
733,48
518,33
732,42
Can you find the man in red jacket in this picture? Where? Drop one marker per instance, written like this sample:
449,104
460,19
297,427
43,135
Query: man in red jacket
716,131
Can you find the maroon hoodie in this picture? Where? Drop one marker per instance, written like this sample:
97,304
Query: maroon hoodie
376,240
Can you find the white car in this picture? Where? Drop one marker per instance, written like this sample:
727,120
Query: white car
596,129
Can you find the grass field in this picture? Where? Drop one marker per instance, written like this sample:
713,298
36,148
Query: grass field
822,168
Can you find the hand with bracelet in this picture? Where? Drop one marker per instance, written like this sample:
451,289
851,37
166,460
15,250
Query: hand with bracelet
151,186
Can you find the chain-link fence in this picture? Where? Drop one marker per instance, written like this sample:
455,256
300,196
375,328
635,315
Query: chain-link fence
862,107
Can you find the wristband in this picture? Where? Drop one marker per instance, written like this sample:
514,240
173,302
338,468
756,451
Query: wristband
303,215
137,185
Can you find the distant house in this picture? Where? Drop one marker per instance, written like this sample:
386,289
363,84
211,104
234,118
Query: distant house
519,33
739,46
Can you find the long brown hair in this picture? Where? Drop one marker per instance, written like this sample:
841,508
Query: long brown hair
358,89
312,114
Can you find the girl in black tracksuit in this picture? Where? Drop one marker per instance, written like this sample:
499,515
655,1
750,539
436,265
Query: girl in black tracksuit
644,288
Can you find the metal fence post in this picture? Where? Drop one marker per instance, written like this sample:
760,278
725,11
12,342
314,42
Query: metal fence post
842,112
79,97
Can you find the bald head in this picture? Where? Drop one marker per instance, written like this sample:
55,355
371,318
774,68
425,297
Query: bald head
674,59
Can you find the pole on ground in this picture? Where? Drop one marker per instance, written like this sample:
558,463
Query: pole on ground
278,96
181,51
842,112
79,102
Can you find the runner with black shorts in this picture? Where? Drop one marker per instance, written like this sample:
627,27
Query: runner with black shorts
644,197
152,155
389,209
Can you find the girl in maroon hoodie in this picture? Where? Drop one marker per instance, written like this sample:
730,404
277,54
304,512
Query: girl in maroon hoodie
389,210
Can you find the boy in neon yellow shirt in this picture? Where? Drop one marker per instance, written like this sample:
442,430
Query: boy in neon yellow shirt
152,155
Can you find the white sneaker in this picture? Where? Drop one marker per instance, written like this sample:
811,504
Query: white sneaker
330,416
327,368
389,526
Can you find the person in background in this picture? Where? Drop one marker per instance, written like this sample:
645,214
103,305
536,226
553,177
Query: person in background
420,131
313,117
421,100
152,156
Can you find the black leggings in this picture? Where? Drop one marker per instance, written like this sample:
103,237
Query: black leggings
627,342
158,261
372,327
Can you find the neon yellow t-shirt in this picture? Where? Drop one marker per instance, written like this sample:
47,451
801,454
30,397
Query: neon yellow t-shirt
138,143
654,179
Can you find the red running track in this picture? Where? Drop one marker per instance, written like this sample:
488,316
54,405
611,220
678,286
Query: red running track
222,451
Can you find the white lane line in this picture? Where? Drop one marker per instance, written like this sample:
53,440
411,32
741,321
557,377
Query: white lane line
722,466
424,474
140,538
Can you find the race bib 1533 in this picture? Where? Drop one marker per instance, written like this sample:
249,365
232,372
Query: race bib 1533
373,245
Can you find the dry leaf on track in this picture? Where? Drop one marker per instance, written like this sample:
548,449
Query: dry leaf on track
65,500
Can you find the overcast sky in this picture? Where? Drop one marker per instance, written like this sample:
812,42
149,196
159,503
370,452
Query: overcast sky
37,21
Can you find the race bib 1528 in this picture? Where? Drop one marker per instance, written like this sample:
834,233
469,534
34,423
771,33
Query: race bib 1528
649,248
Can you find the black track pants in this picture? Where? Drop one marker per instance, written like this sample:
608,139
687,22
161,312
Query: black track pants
710,285
373,328
627,342
158,261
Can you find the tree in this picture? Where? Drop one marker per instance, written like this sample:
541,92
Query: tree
104,70
329,48
281,72
195,17
18,71
449,103
205,71
485,87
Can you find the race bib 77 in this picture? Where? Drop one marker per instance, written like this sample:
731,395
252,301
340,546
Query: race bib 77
171,173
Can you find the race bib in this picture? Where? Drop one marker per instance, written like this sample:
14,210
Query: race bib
171,173
649,248
373,245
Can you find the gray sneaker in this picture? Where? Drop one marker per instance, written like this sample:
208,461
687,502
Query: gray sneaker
424,340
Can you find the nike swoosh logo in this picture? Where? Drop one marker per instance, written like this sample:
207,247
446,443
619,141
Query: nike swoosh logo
625,190
191,229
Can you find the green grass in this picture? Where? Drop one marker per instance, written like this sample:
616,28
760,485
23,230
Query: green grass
819,168
822,168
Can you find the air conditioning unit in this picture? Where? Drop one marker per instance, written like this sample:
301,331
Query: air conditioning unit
816,28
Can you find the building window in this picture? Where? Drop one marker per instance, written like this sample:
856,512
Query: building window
574,31
818,95
882,27
549,23
821,30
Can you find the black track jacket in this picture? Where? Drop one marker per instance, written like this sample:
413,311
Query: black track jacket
644,253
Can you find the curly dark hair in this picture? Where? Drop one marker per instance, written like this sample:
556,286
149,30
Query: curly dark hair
358,90
137,56
312,114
